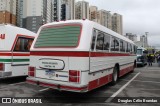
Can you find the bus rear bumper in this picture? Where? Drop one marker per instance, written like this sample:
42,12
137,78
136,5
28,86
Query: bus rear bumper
59,87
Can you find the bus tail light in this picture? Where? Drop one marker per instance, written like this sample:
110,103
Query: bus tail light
74,76
31,71
1,67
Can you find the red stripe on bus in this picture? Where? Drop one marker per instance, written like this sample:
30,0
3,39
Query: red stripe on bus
69,54
106,79
92,84
99,82
13,54
126,70
78,54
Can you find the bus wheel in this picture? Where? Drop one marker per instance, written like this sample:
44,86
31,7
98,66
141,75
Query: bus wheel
115,76
135,65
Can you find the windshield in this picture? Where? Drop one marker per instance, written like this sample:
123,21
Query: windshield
59,36
139,51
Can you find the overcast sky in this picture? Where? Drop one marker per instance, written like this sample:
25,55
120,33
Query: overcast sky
139,16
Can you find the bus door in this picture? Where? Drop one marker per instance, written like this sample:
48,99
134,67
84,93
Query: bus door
21,51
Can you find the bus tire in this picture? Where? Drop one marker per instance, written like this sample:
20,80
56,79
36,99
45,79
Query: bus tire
135,65
115,76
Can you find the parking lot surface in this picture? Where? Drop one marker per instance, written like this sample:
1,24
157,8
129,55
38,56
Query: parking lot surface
144,82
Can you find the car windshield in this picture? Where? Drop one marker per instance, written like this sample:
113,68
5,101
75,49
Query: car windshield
139,51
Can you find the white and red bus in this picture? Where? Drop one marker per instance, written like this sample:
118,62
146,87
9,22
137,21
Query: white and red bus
15,46
79,56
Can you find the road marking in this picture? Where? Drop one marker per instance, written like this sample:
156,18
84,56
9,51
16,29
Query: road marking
123,87
44,89
143,81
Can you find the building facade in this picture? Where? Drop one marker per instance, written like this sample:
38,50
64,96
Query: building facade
144,41
8,11
68,10
29,14
93,13
19,13
56,10
105,18
131,36
117,23
82,10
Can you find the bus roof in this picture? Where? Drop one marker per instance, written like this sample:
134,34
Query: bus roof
93,24
141,48
17,30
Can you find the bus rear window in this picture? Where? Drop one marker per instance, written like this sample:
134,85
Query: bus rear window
61,36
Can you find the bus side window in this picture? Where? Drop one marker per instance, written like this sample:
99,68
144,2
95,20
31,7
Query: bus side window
135,50
100,41
122,46
114,44
107,42
131,49
128,48
93,40
30,41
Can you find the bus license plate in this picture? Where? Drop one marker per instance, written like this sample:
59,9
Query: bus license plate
50,73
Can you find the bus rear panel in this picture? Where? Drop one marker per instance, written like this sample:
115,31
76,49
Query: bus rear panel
62,58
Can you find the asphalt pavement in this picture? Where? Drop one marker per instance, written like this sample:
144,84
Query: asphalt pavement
137,88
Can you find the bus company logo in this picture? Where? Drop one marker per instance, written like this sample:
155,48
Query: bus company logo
2,36
6,100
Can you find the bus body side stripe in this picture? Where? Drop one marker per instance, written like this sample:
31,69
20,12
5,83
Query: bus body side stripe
14,60
14,54
92,84
77,54
106,79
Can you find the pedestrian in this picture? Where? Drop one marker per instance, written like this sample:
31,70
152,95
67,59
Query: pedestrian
158,60
149,59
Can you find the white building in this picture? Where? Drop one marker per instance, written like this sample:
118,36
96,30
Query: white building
68,10
131,36
93,13
105,18
19,13
144,40
117,23
29,14
82,10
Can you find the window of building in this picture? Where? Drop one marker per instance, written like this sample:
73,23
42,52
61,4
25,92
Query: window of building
114,44
23,44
